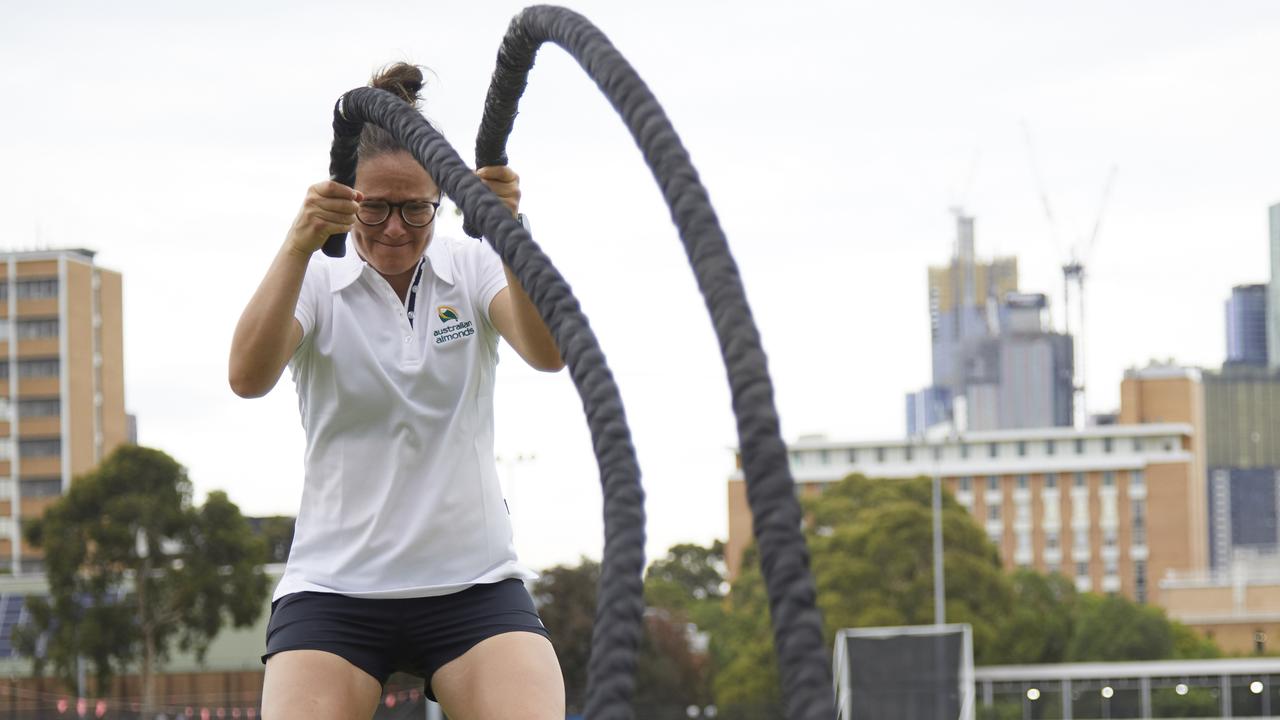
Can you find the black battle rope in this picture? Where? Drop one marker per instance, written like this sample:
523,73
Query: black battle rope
802,654
776,513
620,606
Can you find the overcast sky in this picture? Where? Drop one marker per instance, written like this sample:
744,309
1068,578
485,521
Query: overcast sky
833,138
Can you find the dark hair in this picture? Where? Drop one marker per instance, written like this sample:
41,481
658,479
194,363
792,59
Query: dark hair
404,81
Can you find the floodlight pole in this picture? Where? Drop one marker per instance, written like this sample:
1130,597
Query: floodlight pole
939,589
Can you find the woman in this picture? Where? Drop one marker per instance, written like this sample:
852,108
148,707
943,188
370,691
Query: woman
402,558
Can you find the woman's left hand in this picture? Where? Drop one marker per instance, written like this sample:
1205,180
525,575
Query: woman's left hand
504,183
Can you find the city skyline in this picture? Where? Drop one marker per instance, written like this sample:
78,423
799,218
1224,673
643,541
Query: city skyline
832,138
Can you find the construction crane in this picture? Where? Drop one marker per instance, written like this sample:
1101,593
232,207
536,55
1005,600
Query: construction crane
1073,273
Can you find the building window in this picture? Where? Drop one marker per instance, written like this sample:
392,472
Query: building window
909,452
40,487
1138,512
1109,538
993,484
993,513
1140,580
964,451
879,454
797,458
1136,479
1051,540
37,288
1080,480
40,367
1051,482
42,328
1024,543
1079,446
853,456
937,452
1111,567
44,447
1082,569
824,457
966,484
992,450
1108,479
39,407
1024,482
1022,448
1081,539
1137,444
995,538
1049,447
1107,444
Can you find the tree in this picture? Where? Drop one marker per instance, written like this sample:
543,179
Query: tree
870,543
277,533
1116,628
872,548
135,569
670,674
1040,625
566,601
687,576
684,592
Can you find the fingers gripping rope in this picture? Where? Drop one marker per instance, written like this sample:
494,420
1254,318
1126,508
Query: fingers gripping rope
806,674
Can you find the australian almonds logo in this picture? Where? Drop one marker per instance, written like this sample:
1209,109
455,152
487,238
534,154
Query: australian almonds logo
454,328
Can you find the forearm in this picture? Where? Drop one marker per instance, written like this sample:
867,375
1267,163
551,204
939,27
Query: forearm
265,337
539,347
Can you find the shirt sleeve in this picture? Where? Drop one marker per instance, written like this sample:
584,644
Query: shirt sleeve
314,284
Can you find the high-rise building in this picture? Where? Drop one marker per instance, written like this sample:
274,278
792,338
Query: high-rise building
1273,291
1242,412
964,297
62,391
996,363
1247,325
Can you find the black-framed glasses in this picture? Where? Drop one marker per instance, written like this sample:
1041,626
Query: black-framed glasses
414,213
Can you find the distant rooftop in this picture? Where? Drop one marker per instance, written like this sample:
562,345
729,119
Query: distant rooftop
49,252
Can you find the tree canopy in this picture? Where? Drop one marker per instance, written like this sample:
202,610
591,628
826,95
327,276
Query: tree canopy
136,570
870,544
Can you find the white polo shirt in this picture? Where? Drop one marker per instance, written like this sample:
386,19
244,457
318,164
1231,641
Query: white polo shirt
401,497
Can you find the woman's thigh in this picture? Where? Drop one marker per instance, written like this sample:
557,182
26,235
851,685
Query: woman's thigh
317,684
511,675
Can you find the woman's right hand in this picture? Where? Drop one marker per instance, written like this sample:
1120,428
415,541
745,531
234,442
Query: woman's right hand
329,209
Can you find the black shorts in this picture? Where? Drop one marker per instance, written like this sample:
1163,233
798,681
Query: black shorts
413,635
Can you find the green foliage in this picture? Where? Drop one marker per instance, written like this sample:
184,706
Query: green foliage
277,533
747,677
566,601
870,543
689,576
1038,629
684,587
134,569
872,548
1191,645
1114,629
669,675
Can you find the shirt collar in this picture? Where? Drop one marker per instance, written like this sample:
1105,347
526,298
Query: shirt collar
348,268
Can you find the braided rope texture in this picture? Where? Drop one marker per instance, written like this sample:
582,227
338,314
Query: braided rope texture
620,604
802,655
